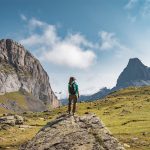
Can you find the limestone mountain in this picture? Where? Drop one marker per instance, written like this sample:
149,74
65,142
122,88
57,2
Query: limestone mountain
135,74
21,71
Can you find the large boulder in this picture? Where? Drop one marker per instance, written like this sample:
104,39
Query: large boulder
19,119
12,120
74,133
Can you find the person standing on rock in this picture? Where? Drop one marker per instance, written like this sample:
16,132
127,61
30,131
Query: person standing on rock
73,94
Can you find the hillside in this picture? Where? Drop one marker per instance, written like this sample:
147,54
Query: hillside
125,113
21,71
20,102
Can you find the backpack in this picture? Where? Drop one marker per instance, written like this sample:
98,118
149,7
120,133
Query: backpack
72,89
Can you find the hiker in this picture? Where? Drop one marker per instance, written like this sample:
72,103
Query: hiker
73,94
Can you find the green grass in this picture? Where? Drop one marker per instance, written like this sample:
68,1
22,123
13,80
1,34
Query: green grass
126,114
17,97
14,137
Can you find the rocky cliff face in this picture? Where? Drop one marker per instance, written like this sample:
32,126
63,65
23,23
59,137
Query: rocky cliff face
74,133
135,74
20,70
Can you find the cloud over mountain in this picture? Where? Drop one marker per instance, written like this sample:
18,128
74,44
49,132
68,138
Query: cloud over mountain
74,50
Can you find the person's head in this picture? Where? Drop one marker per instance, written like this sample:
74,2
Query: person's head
71,79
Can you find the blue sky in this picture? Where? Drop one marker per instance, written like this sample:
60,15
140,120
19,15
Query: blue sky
89,39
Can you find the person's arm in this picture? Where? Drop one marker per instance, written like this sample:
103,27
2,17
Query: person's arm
68,90
77,90
78,94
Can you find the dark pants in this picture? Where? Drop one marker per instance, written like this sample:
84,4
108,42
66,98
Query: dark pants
74,99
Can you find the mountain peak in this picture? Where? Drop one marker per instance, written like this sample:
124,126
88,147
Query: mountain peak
135,61
134,74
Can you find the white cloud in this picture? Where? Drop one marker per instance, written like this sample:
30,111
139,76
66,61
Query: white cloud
23,17
79,39
36,23
70,55
74,50
109,42
132,19
145,10
131,4
142,9
47,38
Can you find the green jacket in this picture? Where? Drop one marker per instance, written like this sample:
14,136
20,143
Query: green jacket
75,87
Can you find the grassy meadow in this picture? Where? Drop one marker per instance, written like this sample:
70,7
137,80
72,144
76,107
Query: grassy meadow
126,113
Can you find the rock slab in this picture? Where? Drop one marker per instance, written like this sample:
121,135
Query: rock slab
12,120
74,133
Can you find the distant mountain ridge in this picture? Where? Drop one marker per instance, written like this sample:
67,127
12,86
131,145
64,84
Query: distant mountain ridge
134,74
103,92
21,71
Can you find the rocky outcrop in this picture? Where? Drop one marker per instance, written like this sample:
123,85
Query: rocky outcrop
74,133
20,70
11,120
